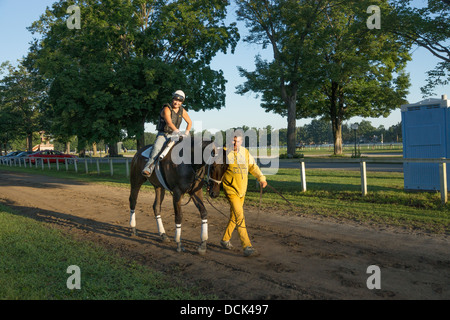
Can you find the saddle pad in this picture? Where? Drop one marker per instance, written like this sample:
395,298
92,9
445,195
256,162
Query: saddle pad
160,177
147,152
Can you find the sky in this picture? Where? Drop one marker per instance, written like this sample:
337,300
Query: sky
239,110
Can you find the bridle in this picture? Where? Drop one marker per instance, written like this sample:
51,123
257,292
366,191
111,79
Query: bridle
209,164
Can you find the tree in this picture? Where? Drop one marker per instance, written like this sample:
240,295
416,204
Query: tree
20,105
427,27
285,26
331,64
118,69
318,131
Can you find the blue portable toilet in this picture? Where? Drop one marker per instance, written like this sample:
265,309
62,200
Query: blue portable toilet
426,134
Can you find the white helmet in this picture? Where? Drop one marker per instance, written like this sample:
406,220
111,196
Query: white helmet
179,95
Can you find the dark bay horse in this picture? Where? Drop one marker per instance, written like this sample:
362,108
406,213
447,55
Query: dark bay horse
186,177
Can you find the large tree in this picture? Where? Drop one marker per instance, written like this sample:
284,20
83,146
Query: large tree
327,63
115,72
20,98
427,26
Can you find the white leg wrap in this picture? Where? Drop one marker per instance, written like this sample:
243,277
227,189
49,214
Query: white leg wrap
178,233
132,219
160,225
204,235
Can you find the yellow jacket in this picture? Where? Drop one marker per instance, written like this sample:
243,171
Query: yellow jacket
235,179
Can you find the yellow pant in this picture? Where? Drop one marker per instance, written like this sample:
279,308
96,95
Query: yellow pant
237,220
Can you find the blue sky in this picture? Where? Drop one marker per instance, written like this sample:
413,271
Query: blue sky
17,15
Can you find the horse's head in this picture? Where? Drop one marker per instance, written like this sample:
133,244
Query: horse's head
216,167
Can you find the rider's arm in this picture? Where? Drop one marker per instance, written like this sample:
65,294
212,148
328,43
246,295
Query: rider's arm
188,120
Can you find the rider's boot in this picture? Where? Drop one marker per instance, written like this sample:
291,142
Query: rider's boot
148,169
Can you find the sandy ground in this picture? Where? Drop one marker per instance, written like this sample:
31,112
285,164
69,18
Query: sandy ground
300,257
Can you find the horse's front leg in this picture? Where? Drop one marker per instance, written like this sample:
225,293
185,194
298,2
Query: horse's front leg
197,197
136,183
178,218
159,197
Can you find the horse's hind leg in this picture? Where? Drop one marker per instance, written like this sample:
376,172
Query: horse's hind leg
159,197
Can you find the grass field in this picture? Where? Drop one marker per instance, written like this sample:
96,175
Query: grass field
34,261
337,193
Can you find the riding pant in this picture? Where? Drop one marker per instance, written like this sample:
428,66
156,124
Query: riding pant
161,139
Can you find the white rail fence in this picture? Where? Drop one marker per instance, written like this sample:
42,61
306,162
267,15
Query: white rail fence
362,161
78,165
84,165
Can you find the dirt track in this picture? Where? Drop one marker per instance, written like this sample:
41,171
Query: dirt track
301,257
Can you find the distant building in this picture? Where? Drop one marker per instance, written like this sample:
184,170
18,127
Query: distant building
45,143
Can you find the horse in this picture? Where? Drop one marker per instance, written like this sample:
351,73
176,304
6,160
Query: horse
181,178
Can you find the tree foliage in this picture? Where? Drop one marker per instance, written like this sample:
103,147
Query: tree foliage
327,63
428,27
20,104
116,71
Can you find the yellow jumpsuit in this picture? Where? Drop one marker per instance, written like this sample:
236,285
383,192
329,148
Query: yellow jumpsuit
235,181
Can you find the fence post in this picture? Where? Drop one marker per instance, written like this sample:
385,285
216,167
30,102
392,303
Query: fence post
57,164
111,167
86,165
76,166
128,169
303,175
98,167
67,166
443,180
363,178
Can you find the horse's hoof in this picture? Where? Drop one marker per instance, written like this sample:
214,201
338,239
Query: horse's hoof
180,247
133,232
202,248
164,238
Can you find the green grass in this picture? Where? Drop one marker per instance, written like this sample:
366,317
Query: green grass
34,261
337,193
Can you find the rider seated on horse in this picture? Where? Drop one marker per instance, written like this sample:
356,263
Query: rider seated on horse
170,119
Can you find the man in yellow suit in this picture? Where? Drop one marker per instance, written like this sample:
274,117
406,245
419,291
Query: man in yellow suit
235,181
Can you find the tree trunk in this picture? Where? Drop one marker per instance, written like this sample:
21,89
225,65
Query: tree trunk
336,119
140,137
29,141
337,136
291,134
67,147
112,149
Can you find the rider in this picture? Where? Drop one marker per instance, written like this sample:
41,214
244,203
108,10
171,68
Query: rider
170,119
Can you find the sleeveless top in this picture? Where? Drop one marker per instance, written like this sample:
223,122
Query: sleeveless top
177,118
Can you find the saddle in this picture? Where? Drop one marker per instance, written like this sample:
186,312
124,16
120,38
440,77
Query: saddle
166,148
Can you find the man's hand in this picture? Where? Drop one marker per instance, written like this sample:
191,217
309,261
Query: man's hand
263,184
